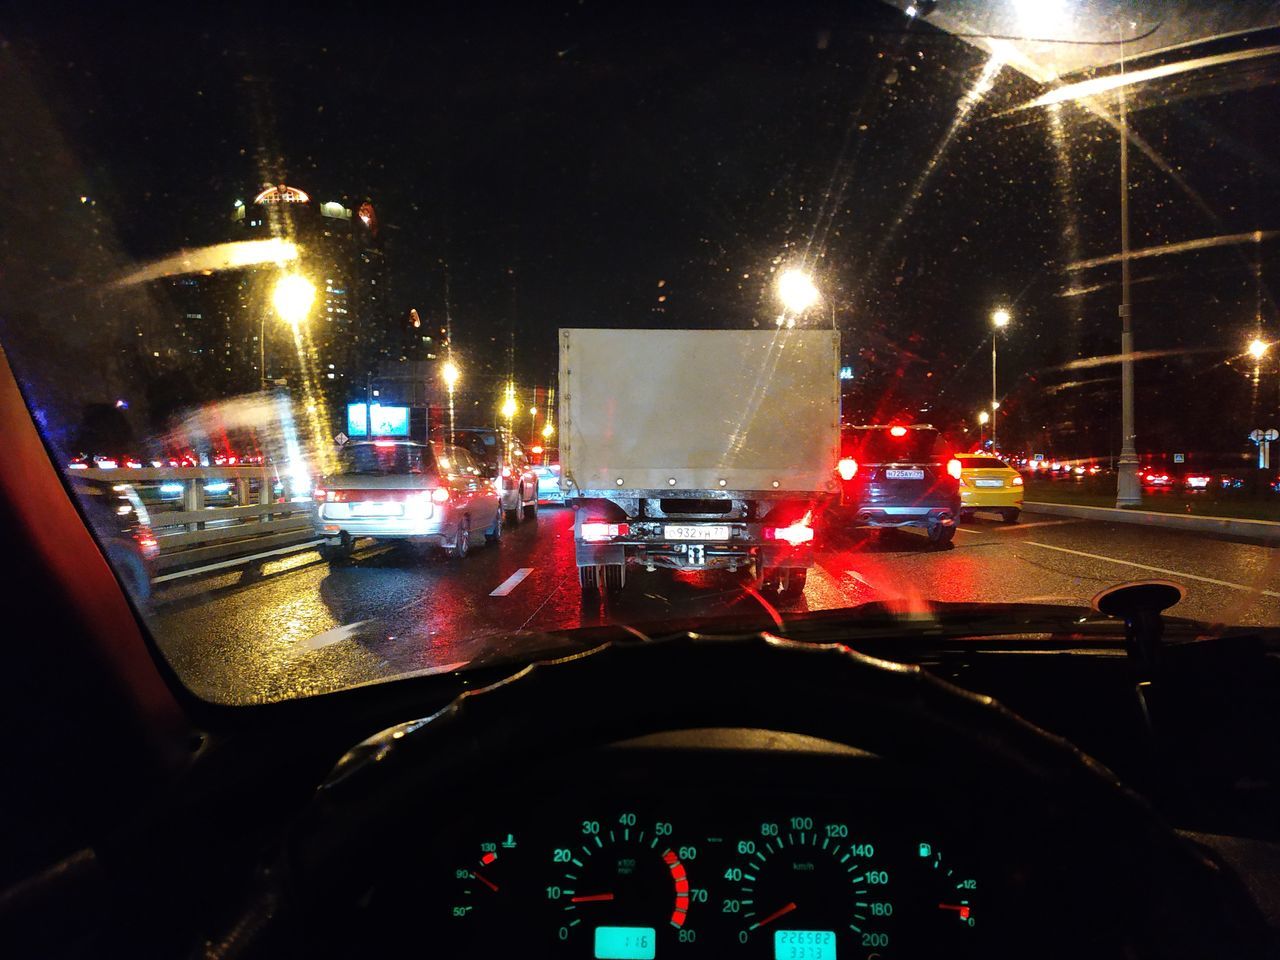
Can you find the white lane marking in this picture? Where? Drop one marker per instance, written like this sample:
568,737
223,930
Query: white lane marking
1146,566
511,582
335,635
1015,527
236,562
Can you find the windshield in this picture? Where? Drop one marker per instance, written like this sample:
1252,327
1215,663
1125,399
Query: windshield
887,444
252,274
982,463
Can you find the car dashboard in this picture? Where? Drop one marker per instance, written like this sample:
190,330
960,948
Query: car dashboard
732,843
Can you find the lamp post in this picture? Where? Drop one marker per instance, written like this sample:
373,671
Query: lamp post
999,320
1128,490
292,298
450,374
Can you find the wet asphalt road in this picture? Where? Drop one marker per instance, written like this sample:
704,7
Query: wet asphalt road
297,627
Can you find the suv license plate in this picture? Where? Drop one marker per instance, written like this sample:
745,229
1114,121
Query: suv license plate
904,474
698,532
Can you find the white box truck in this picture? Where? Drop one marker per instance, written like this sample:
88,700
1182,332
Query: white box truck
696,449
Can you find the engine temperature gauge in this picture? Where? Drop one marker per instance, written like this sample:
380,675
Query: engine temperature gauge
492,889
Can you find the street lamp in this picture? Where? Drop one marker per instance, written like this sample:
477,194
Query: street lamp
292,299
450,374
999,320
293,296
797,293
1258,348
509,406
983,419
548,429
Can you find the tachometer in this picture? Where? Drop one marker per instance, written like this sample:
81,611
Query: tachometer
624,889
809,891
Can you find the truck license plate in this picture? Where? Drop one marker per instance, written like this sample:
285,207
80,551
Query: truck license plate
698,532
904,474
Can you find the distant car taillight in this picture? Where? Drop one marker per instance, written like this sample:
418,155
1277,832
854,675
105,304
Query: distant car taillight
1017,481
953,467
848,468
146,542
440,495
319,495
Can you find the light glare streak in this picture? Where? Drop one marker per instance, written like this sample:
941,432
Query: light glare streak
212,259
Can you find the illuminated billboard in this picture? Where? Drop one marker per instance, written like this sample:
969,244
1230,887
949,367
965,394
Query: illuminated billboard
377,421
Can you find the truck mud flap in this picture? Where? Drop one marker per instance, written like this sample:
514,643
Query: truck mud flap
593,554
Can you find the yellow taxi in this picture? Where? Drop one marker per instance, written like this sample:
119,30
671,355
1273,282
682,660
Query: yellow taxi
988,483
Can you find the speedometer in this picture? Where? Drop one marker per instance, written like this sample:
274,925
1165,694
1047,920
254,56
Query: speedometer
624,888
807,890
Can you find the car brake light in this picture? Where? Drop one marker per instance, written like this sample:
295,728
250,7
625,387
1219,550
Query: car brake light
384,443
953,467
440,495
898,431
1017,481
594,530
848,468
319,495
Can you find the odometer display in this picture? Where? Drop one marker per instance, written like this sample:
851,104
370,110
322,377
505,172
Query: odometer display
809,890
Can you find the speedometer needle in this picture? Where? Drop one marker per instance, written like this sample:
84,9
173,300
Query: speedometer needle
593,898
782,912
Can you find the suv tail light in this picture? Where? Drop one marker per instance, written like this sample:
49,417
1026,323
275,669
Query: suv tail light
953,467
848,468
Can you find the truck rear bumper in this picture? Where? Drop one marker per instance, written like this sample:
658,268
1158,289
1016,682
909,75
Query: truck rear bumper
693,556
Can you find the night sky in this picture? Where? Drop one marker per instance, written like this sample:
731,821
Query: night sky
601,164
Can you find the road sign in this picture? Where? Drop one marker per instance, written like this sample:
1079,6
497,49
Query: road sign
1179,458
341,438
846,373
1272,434
1039,457
1260,436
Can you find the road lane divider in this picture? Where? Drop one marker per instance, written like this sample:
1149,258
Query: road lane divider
511,582
1146,566
237,562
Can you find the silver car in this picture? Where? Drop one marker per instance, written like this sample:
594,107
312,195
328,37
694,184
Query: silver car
401,490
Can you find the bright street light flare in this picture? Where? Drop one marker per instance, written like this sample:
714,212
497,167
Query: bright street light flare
995,404
1001,318
1258,348
548,429
450,374
509,407
984,418
293,296
797,291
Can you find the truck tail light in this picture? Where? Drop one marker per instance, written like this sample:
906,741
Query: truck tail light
1016,481
594,530
953,467
848,468
796,534
897,431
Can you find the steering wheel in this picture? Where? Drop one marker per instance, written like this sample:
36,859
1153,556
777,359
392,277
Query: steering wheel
1152,891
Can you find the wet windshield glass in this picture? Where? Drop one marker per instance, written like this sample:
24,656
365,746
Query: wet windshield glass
652,269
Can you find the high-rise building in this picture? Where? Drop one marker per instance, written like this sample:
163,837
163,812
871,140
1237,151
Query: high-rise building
354,328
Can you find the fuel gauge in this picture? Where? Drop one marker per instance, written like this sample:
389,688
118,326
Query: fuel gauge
948,900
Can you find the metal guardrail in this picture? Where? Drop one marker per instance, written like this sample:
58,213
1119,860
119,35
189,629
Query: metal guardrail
250,510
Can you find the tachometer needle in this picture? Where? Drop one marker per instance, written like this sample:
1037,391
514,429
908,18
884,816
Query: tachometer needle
963,910
593,898
488,883
782,912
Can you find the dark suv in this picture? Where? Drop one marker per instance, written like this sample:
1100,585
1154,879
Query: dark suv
899,476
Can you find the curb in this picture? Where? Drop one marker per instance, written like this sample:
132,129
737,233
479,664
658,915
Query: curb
1268,530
